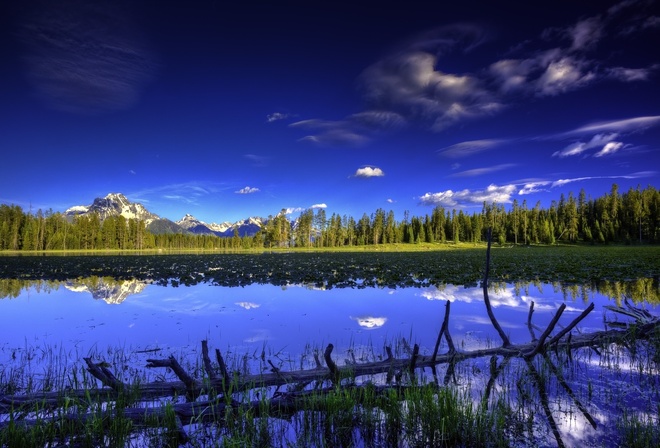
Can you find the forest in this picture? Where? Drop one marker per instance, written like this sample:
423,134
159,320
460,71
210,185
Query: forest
632,217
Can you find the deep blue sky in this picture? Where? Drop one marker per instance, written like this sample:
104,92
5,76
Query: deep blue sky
233,109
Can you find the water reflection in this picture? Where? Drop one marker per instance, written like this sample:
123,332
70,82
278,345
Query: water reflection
107,289
287,323
154,315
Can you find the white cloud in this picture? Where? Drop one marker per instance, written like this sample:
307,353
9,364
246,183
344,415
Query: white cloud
369,171
290,210
466,197
578,148
409,83
563,75
248,305
609,148
247,190
391,201
511,74
414,84
586,33
370,322
631,74
533,187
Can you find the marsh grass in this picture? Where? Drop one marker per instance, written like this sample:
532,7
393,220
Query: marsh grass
452,407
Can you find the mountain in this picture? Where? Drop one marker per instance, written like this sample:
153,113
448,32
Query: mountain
116,204
246,227
194,225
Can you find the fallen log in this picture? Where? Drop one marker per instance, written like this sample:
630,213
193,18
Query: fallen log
154,390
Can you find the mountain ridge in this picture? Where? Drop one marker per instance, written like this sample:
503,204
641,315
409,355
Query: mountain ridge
116,204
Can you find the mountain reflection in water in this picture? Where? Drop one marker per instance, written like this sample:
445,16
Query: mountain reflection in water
152,314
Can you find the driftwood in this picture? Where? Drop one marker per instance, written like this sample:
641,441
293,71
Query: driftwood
212,397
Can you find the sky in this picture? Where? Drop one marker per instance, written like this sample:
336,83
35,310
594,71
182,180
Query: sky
226,110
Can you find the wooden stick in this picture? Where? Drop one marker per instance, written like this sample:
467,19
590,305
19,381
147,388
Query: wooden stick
489,309
570,326
102,373
444,330
207,361
546,333
413,358
223,367
330,363
192,387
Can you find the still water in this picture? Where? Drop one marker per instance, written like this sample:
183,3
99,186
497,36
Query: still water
98,317
146,316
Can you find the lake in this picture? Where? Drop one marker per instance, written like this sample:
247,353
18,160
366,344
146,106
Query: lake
126,322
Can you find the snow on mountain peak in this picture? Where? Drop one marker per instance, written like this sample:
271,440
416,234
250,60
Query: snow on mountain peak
112,205
115,204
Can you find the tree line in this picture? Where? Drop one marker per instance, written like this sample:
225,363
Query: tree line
629,217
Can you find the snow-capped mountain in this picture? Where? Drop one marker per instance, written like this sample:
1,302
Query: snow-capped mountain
114,204
246,227
194,225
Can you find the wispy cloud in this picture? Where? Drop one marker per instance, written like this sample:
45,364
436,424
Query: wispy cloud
469,148
277,116
354,130
85,57
535,187
626,125
369,171
189,193
609,148
247,190
317,206
481,171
